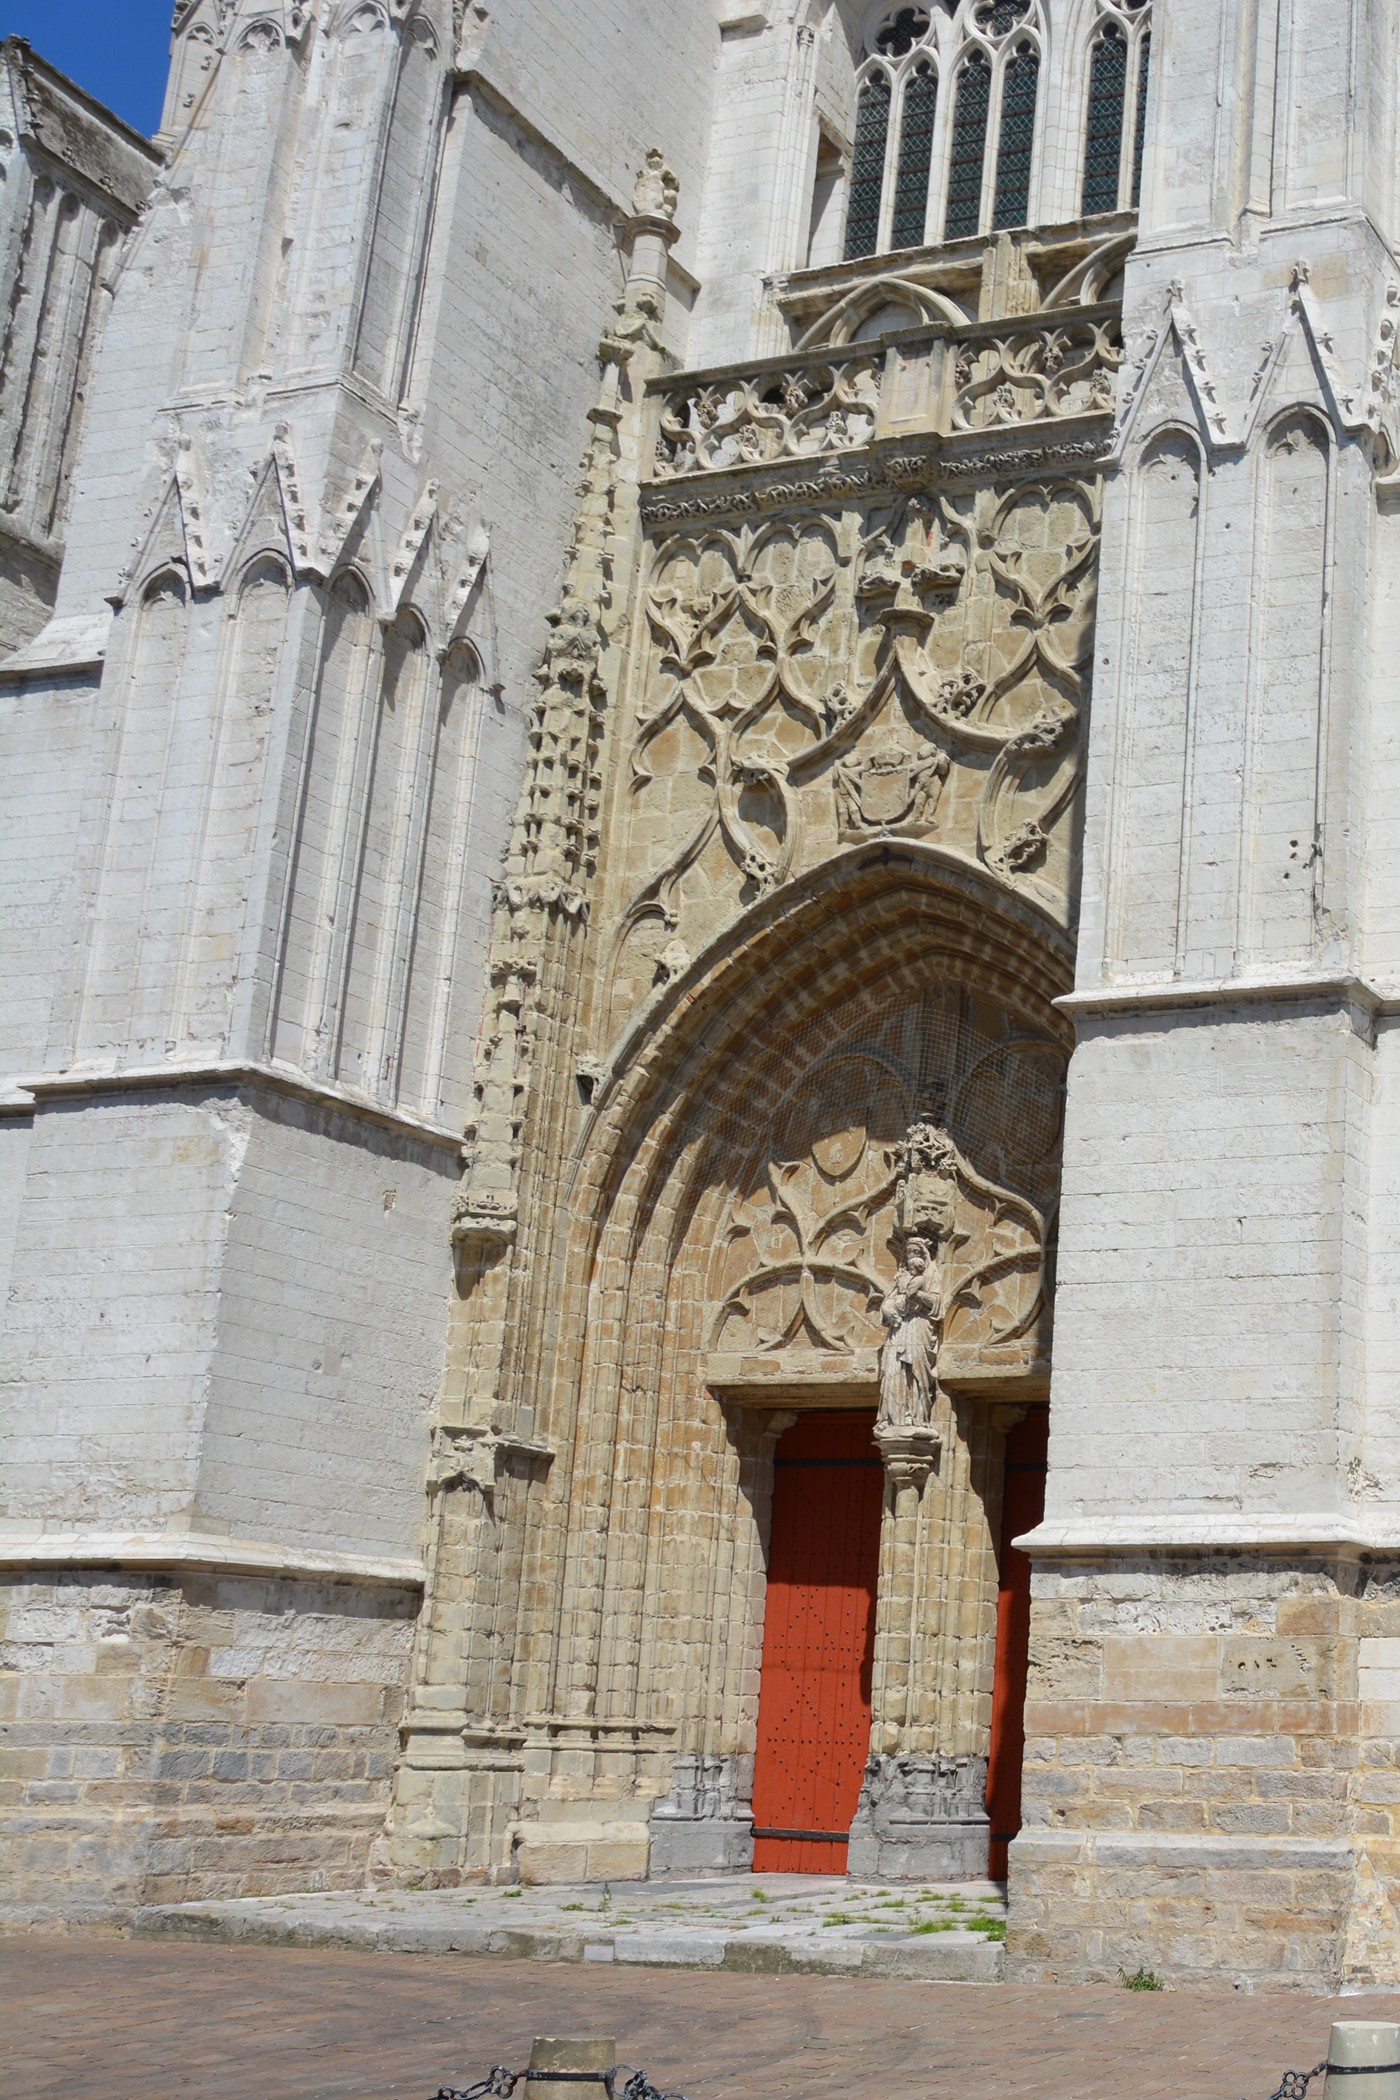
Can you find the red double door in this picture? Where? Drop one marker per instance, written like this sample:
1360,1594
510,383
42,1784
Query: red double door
818,1643
819,1639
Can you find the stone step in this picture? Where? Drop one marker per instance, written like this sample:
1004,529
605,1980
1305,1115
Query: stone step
819,1928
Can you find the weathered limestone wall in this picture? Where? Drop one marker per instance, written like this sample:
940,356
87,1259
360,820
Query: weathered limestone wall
72,181
1212,1761
256,784
173,1734
1209,1764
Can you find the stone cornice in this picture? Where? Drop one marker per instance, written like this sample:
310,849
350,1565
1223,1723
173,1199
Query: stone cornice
20,1096
1337,987
1277,1534
195,1550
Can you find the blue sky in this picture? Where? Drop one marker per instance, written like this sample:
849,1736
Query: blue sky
116,49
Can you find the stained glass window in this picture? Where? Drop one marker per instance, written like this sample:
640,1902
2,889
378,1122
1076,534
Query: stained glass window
915,152
1103,134
868,167
970,106
1140,127
1018,93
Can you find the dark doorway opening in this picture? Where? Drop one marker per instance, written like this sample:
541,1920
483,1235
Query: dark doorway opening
1023,1506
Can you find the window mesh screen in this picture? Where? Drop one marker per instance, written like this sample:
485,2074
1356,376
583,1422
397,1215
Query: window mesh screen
974,96
1140,127
1019,84
1000,15
868,167
915,151
1103,136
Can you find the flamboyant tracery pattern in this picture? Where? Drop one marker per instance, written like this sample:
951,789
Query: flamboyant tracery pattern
915,671
949,118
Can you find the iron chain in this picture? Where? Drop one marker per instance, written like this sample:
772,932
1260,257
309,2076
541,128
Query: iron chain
500,2084
1294,2084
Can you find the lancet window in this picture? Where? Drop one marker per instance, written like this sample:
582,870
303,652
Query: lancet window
1115,125
950,115
1020,82
917,111
868,166
971,105
957,158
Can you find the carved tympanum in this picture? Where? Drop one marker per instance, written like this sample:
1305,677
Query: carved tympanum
861,1224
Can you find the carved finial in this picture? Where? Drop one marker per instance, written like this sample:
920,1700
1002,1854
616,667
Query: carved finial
658,188
1298,276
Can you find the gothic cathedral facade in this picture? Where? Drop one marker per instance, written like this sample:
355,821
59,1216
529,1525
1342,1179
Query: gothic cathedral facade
701,1155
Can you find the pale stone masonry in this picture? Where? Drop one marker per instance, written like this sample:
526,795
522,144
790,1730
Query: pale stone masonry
875,892
72,180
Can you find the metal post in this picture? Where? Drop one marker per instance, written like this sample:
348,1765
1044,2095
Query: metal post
1363,2061
581,2068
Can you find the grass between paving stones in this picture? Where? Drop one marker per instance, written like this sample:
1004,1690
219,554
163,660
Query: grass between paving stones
925,1911
953,1918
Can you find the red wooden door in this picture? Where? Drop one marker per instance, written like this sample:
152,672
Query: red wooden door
818,1640
1023,1506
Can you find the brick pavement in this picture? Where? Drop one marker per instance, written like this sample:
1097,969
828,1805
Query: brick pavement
137,2020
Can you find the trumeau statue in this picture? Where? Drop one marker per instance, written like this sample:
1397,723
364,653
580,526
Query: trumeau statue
911,1310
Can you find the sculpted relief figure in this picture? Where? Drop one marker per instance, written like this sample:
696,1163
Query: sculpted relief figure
911,1311
658,189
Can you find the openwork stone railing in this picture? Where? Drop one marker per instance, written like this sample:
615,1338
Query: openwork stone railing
733,422
1027,374
940,379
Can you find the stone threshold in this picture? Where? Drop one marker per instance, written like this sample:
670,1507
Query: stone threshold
749,1924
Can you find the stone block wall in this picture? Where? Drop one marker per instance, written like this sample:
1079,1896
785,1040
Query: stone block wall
1211,1785
72,180
196,1733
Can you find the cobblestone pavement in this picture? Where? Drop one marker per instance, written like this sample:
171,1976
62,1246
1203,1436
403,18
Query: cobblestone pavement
770,1923
145,2020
